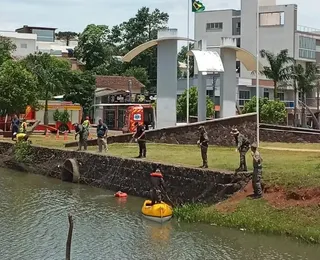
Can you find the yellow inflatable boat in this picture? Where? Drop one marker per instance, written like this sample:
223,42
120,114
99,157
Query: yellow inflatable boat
159,212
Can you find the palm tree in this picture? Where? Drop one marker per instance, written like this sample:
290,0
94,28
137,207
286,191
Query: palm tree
279,69
306,81
51,73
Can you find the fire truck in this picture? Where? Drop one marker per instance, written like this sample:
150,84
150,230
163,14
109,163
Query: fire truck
74,110
143,114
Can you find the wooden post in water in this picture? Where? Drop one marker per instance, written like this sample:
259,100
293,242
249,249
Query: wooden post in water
68,249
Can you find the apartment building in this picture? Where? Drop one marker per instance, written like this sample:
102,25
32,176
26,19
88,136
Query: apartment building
278,31
25,43
47,42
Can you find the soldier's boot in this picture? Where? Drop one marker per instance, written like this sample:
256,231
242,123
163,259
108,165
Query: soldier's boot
205,166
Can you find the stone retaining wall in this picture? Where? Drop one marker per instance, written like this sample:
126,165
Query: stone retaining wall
218,132
129,175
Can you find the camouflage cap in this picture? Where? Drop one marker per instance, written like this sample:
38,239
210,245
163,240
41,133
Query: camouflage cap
254,145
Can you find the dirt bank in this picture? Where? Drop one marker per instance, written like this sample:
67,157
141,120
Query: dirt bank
275,196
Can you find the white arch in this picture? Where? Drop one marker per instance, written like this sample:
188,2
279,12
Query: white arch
207,61
248,60
142,47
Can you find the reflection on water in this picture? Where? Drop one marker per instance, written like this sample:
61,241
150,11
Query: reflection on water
33,217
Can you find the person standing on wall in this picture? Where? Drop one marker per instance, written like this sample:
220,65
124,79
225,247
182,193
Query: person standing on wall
14,126
83,136
102,131
257,171
86,126
243,146
140,137
203,144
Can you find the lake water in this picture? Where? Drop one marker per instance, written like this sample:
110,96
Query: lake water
34,226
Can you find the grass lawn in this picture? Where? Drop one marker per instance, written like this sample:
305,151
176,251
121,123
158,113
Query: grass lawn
259,216
286,168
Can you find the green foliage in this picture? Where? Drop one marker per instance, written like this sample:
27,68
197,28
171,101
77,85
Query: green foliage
22,152
6,48
137,30
18,88
67,36
182,57
279,69
81,89
271,111
52,76
193,104
94,48
305,77
139,73
258,216
56,115
64,117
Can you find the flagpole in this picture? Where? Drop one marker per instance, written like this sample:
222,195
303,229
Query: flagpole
257,72
188,60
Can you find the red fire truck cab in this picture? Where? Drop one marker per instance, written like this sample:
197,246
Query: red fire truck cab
143,114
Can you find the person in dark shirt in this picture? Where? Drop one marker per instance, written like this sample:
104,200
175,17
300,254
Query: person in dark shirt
203,143
15,123
140,137
102,131
157,186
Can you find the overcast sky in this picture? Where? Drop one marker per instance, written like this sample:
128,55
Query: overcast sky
74,15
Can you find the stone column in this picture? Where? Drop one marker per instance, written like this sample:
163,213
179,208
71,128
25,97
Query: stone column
228,84
167,79
202,93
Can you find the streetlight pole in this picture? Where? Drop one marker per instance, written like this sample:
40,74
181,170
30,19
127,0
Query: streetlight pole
257,72
188,60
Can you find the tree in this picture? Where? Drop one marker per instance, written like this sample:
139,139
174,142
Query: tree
80,89
52,76
279,67
306,80
139,73
182,57
137,30
67,36
271,111
18,88
6,48
94,47
193,104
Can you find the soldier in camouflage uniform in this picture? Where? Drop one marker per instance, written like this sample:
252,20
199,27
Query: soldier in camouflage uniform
243,145
257,171
83,136
203,143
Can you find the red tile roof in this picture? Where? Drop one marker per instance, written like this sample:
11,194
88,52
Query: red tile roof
118,83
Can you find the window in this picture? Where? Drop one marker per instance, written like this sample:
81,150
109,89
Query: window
280,96
266,93
244,96
238,42
214,26
272,19
23,46
44,35
307,47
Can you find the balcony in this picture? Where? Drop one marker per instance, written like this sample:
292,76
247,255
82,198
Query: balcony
288,103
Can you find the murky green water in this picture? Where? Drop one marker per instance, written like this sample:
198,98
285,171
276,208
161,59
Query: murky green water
34,226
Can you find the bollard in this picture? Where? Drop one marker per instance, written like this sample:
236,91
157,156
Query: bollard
57,135
65,136
47,134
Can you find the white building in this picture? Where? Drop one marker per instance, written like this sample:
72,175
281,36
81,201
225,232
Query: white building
278,31
25,42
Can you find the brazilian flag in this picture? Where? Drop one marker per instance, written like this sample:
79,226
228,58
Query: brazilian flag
197,6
